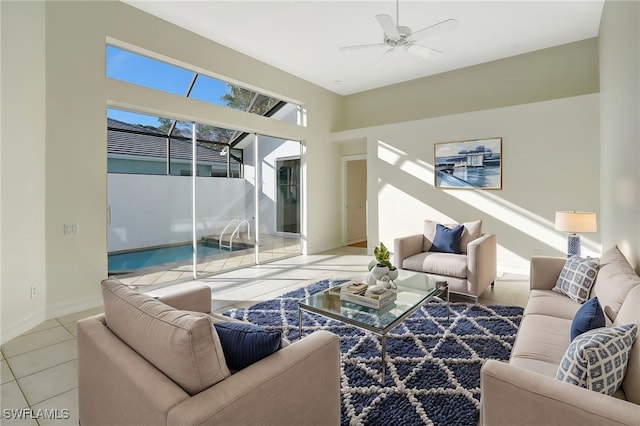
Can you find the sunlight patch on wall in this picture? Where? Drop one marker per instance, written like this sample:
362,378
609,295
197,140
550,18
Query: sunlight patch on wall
508,213
415,167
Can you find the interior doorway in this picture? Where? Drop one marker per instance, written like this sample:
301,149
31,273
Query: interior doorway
355,205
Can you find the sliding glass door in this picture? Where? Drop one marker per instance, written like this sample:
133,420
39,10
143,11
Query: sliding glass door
187,200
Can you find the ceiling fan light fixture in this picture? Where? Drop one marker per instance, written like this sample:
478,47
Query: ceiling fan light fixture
418,50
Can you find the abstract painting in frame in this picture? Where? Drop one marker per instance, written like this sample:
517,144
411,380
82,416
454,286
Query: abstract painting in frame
472,164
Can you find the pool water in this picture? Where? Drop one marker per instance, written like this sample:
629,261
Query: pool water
130,261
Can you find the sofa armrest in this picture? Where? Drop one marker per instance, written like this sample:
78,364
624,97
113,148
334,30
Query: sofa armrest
404,247
197,299
545,271
297,385
481,262
515,396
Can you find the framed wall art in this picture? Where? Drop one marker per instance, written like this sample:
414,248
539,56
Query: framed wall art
473,164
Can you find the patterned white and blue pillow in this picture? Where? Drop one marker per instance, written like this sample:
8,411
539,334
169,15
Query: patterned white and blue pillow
577,277
597,359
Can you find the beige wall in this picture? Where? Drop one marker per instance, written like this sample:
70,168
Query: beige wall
550,154
620,126
538,102
69,181
22,169
557,72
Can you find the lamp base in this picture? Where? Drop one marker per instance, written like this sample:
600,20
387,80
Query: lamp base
573,245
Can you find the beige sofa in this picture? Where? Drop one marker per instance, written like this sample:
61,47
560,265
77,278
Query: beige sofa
525,390
145,363
468,273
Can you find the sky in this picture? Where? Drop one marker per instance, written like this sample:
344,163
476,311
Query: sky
143,71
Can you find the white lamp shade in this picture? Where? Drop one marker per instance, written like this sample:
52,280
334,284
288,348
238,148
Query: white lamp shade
576,222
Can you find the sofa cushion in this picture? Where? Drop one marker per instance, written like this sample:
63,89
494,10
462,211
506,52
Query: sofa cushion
451,265
472,231
576,278
614,281
588,317
551,303
447,240
597,359
543,339
244,343
630,314
182,345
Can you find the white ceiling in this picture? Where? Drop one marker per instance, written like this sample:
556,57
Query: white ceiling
303,37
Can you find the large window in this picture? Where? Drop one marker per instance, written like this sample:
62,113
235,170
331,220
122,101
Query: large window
154,74
187,199
145,144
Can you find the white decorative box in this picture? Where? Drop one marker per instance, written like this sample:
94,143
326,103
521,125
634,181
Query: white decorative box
375,301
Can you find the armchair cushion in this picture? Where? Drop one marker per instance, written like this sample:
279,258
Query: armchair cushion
182,345
472,231
447,240
244,343
450,265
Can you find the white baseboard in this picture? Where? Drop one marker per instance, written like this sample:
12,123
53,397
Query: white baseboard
18,328
73,306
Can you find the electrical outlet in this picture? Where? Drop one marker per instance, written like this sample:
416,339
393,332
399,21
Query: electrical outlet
34,292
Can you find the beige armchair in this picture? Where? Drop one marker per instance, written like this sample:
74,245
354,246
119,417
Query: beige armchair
144,362
469,273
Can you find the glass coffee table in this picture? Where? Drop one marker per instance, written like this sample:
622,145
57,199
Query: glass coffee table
414,289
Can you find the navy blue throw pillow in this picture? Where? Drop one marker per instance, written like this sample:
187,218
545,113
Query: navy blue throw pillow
588,317
244,343
447,240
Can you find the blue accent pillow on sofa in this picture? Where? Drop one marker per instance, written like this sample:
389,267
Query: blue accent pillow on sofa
588,317
244,343
447,240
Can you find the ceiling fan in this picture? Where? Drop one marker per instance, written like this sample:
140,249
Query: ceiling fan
404,38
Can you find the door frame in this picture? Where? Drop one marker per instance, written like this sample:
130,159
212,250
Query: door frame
345,160
285,158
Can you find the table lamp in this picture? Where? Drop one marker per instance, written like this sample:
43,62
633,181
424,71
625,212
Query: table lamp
574,222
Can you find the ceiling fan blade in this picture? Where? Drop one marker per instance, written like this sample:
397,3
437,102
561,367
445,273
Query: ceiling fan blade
436,29
362,46
386,22
423,52
384,56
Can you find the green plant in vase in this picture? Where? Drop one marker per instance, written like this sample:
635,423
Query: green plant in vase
382,266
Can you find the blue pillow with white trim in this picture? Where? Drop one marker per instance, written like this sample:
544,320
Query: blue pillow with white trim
588,317
244,343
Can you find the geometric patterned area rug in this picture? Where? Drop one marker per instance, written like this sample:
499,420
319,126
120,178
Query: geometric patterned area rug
433,363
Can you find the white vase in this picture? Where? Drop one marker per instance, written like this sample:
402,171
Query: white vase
393,274
379,271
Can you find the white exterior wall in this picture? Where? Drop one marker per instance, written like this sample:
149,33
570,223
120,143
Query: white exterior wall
156,210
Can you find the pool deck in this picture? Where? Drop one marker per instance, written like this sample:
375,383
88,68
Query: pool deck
271,248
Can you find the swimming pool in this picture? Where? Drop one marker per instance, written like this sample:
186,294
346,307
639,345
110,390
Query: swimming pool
132,260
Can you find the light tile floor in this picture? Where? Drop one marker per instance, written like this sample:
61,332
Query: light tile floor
39,368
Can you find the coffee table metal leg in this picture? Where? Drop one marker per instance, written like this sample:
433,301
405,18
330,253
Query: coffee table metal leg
299,323
384,353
